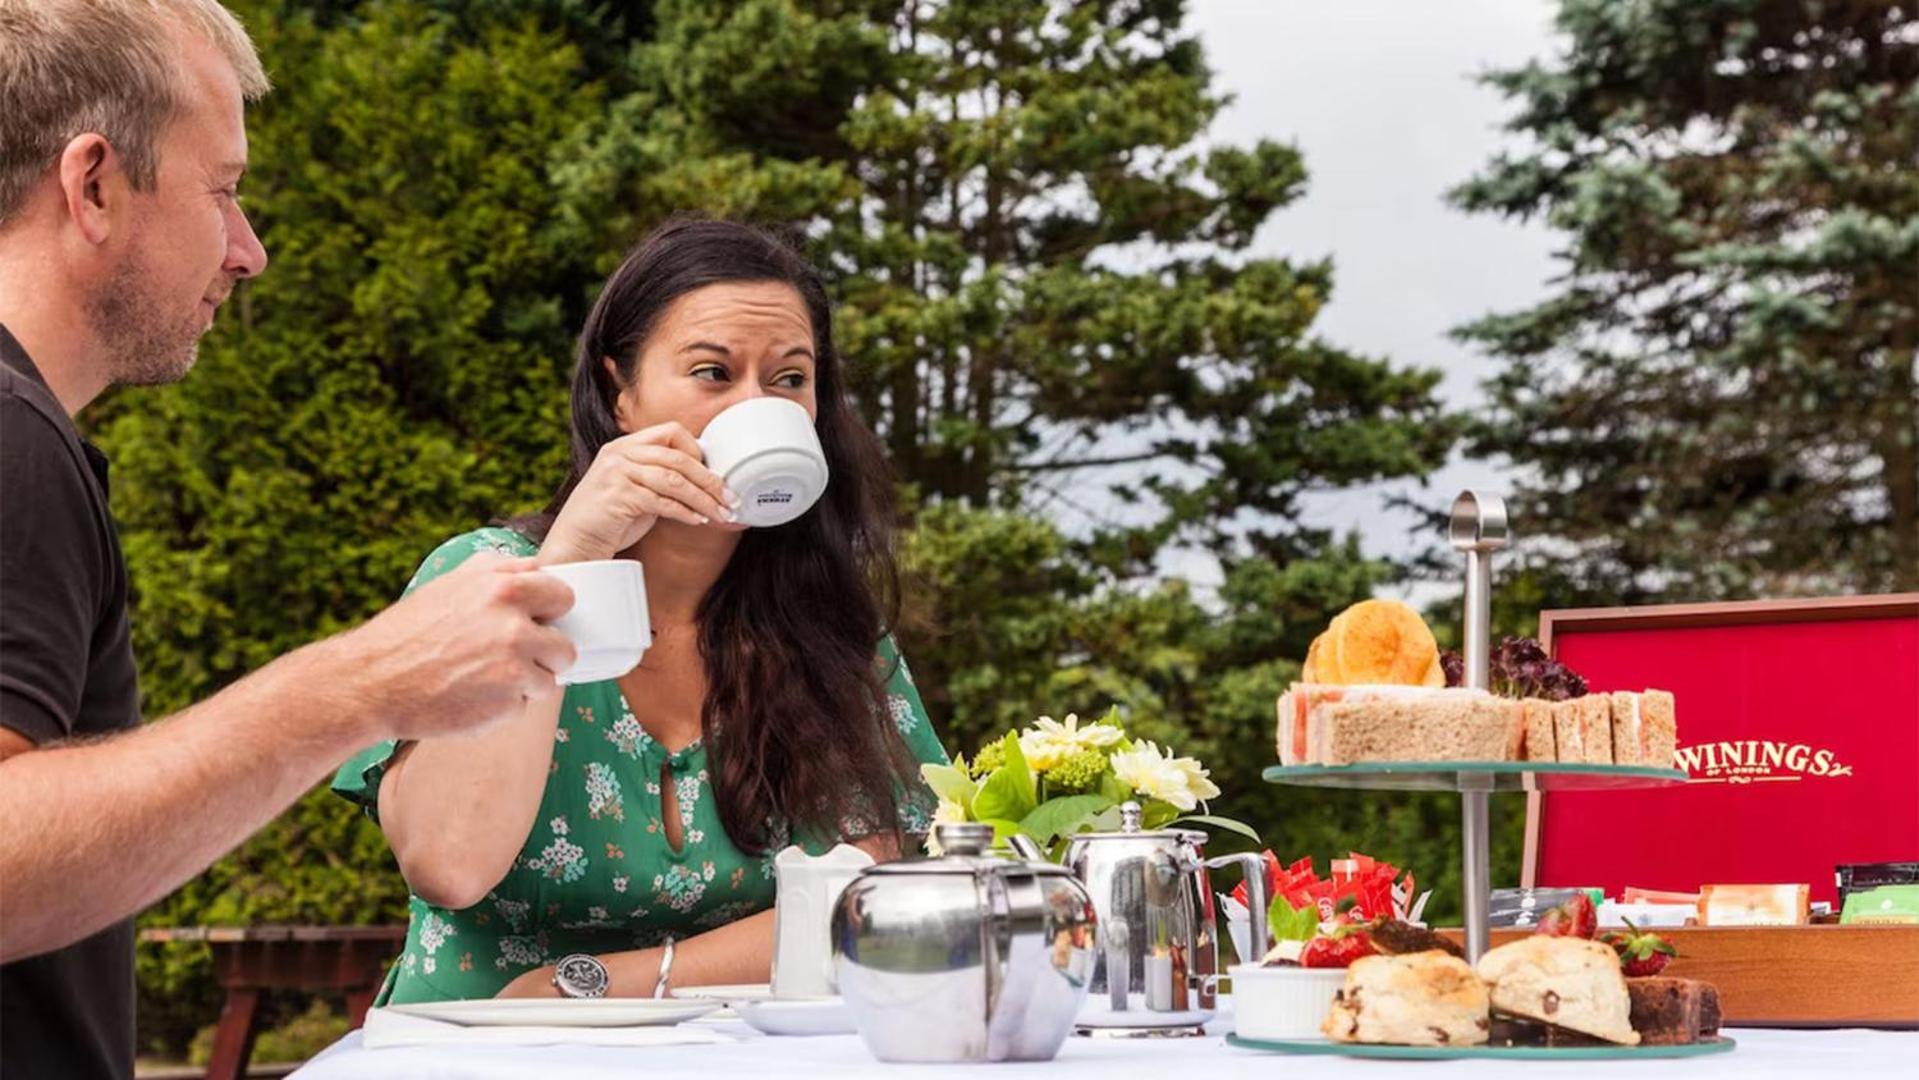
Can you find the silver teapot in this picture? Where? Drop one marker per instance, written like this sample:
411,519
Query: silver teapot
1158,970
966,956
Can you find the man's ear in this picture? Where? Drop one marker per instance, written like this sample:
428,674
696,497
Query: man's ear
622,402
94,186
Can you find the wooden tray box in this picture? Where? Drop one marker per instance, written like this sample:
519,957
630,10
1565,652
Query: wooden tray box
1798,976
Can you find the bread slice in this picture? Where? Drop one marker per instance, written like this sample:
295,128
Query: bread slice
1541,743
1628,743
1570,746
1567,981
1425,999
1444,726
1595,727
1659,720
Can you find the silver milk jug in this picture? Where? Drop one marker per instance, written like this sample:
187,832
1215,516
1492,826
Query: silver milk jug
1157,971
965,956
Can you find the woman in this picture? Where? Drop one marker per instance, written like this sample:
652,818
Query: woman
621,818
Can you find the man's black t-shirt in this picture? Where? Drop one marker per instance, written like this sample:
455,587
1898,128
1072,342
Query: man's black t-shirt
66,672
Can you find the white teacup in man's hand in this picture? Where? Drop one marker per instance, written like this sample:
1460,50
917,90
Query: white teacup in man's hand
768,453
608,624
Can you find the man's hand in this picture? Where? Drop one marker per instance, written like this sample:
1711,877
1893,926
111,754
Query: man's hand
462,652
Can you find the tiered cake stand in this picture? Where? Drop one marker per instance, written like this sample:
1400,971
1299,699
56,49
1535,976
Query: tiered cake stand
1478,528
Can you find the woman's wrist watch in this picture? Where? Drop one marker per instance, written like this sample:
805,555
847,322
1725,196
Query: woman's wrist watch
580,976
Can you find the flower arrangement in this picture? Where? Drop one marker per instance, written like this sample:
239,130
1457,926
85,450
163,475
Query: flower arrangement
1059,777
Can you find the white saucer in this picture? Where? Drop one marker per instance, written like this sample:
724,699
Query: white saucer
755,1004
797,1016
559,1012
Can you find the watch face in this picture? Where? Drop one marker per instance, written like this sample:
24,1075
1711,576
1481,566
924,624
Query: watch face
581,976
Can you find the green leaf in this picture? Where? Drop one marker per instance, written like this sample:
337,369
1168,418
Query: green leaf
950,782
1062,817
1006,794
1213,821
1016,763
1288,923
1114,788
1155,814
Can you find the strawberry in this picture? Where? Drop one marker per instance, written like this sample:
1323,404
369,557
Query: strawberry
1574,918
1337,949
1640,953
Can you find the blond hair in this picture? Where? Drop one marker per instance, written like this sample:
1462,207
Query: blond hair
110,67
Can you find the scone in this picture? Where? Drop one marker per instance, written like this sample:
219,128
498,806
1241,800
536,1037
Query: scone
1424,999
1567,981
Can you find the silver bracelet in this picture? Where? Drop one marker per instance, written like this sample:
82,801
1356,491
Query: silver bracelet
666,968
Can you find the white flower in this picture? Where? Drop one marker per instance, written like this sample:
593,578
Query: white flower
1180,781
949,813
1049,742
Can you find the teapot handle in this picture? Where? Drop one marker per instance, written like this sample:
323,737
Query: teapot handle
1254,870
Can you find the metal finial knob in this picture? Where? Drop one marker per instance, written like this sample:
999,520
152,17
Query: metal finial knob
1479,522
1129,816
963,837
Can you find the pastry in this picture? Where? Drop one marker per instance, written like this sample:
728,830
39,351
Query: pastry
1425,999
1569,982
1375,641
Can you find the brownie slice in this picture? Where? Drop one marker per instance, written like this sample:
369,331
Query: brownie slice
1397,938
1668,1011
1510,1030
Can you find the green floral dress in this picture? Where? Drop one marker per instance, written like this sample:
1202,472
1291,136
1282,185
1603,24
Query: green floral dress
596,874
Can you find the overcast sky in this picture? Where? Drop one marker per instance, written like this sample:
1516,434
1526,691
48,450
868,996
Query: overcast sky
1379,96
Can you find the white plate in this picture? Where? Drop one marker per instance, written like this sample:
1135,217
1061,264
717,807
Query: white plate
797,1016
728,995
559,1012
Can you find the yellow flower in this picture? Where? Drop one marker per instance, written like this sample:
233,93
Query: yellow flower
1179,781
1049,742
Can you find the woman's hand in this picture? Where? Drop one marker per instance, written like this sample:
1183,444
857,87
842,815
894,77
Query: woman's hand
535,983
634,481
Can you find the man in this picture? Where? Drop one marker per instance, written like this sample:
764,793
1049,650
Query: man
121,145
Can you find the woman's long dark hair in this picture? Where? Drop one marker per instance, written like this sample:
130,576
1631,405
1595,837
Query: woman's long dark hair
795,720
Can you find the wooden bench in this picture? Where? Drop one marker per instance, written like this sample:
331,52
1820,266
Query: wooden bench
247,960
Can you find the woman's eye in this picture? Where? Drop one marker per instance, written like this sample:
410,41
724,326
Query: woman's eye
792,380
710,372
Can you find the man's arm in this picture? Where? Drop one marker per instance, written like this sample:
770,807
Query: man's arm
93,832
97,830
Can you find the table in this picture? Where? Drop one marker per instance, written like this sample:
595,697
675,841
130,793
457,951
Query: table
1762,1053
247,960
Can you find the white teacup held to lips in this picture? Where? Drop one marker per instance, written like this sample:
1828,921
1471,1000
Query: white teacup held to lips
768,453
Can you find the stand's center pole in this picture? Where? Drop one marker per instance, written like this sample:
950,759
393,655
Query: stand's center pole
1478,528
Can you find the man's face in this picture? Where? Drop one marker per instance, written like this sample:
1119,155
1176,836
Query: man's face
188,240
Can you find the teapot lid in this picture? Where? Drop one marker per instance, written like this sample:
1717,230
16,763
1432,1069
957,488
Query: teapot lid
964,847
1129,829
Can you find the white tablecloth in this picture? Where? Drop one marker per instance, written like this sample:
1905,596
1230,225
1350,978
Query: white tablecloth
1761,1054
